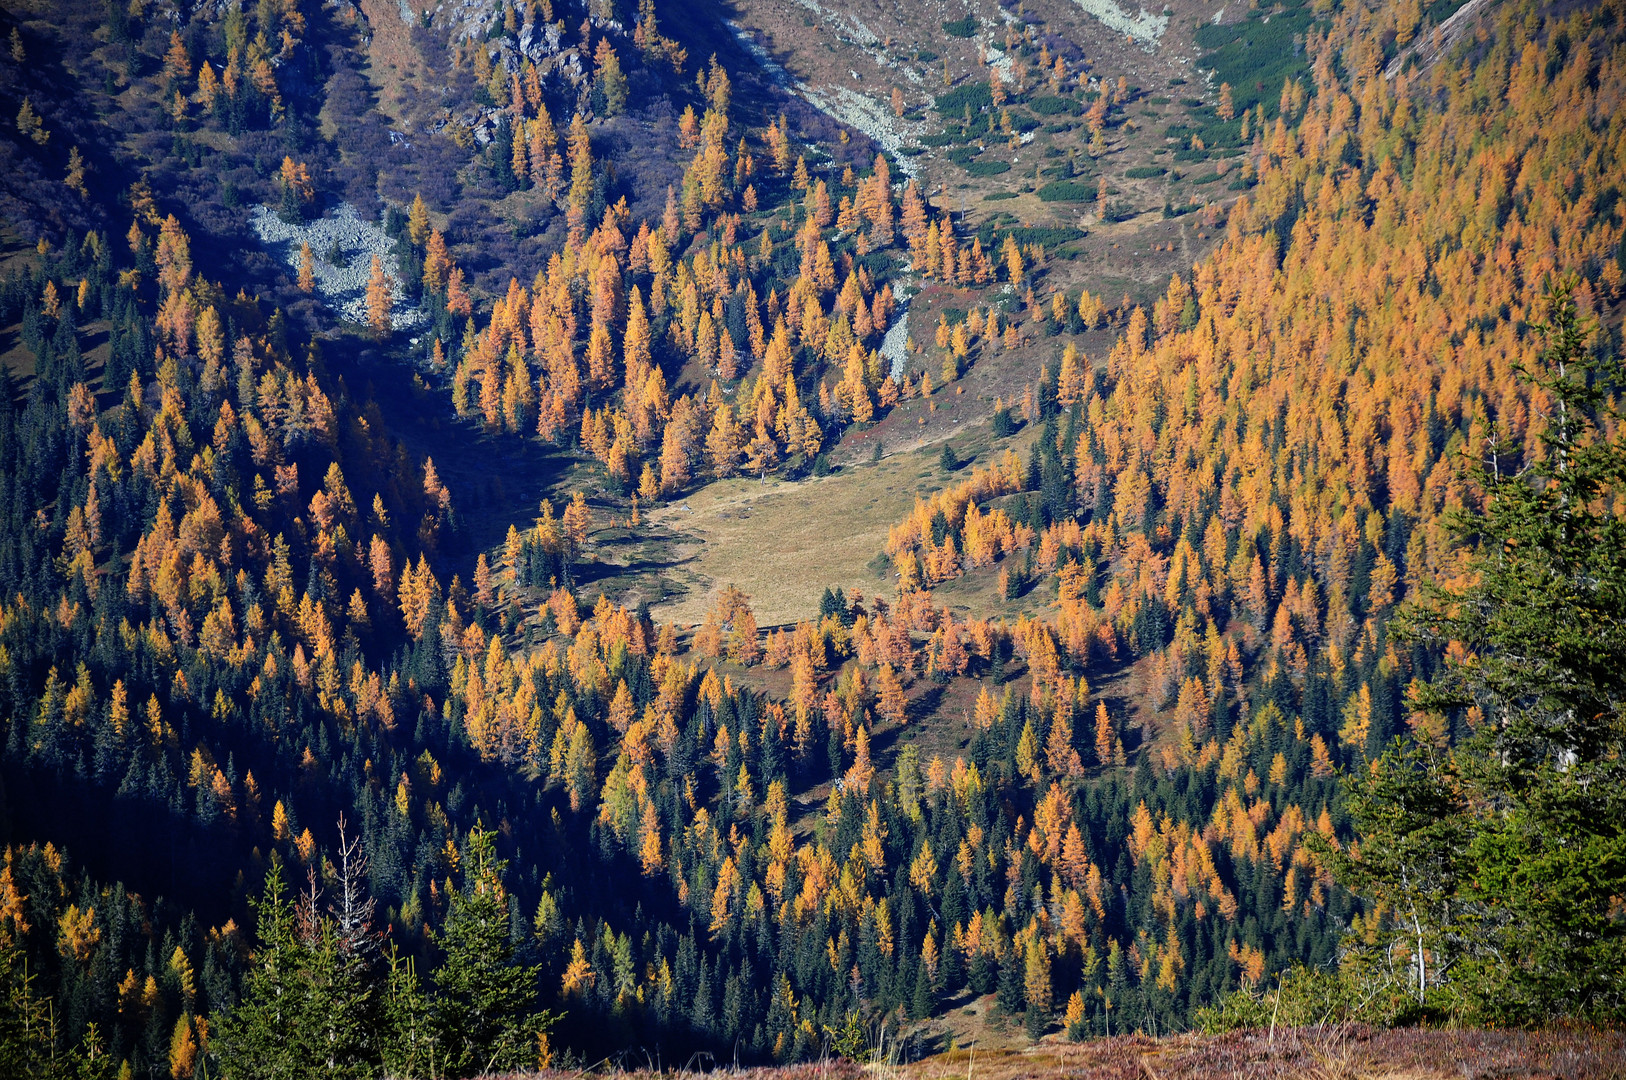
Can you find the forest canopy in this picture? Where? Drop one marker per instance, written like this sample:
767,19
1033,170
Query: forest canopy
310,767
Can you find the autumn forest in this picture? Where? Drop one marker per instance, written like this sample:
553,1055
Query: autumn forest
1253,654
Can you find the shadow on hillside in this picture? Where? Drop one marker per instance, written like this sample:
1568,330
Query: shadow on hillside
884,747
591,572
495,481
758,96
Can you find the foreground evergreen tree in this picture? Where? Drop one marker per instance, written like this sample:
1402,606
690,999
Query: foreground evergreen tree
312,1003
29,1033
1503,863
254,1039
484,1010
409,1049
304,1011
1410,863
318,1001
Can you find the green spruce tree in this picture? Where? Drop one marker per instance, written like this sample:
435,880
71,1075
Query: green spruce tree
485,1013
1507,854
263,1037
312,1002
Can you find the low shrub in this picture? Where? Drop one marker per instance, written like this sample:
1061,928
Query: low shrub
1067,191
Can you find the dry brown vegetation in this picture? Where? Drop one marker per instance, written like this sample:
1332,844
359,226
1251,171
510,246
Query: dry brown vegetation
821,532
1310,1054
1345,1053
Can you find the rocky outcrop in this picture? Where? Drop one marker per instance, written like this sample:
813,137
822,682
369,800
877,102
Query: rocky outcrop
342,245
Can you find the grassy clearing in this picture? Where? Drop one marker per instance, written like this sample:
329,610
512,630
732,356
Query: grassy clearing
21,363
14,356
784,543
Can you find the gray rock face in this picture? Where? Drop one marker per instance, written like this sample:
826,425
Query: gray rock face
342,283
538,43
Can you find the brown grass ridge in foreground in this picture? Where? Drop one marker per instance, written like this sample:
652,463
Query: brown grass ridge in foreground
1353,1052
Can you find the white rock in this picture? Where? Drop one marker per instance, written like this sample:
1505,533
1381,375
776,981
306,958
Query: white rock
344,285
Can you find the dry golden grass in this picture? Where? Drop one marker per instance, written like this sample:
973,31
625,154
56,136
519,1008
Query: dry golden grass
1357,1053
785,543
391,57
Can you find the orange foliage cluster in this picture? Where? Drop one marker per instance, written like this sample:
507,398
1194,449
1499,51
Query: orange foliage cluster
196,554
534,370
986,537
1326,371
